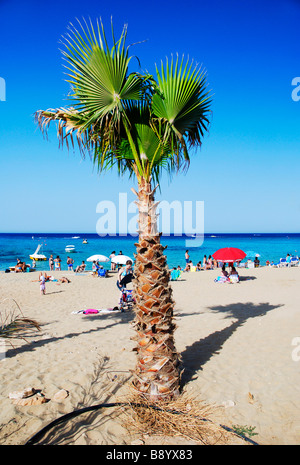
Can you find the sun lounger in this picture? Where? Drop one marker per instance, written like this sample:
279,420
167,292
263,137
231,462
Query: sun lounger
294,261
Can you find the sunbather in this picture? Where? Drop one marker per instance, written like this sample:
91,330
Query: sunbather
224,272
234,276
198,266
80,268
233,271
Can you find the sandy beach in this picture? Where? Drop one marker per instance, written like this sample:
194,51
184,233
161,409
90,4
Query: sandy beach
236,343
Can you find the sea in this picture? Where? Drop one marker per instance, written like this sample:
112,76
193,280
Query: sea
15,246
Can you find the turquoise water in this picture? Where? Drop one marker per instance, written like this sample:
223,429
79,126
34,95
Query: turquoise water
13,246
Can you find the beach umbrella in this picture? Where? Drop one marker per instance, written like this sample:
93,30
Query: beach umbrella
229,255
98,258
120,259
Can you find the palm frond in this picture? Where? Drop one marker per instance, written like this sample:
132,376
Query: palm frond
181,103
131,121
13,324
17,327
99,74
69,126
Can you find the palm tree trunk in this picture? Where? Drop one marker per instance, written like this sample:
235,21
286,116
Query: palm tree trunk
157,371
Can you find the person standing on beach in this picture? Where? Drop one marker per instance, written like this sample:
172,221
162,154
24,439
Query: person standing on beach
113,265
187,261
51,262
187,257
42,281
70,262
57,263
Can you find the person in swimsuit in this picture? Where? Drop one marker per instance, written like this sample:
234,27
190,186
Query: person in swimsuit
57,263
70,262
209,263
113,265
224,272
80,268
187,257
51,263
42,281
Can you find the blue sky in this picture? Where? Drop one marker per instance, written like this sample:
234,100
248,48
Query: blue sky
247,171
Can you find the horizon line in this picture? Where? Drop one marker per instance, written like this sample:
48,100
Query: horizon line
117,234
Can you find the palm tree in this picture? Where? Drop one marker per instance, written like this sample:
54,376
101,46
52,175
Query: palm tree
142,125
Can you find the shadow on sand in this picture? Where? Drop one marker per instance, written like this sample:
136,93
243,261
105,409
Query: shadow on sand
33,341
200,352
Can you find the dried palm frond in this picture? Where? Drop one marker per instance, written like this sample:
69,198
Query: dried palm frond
14,325
184,417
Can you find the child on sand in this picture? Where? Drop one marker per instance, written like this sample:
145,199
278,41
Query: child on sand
42,281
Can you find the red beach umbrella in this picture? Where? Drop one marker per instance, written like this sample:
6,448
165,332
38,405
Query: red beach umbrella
229,254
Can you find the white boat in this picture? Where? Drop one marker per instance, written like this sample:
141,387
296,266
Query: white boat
70,248
76,237
36,256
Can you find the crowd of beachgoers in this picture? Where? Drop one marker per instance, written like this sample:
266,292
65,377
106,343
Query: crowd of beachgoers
232,275
207,263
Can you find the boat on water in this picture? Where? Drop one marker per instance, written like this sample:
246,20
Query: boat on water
75,237
84,241
70,248
36,256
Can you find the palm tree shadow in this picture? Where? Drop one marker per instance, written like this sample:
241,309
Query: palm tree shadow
200,352
116,319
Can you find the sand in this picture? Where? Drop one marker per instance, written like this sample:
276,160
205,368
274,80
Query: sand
236,343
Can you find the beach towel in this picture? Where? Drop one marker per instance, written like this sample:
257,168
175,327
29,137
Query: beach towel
222,279
94,311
